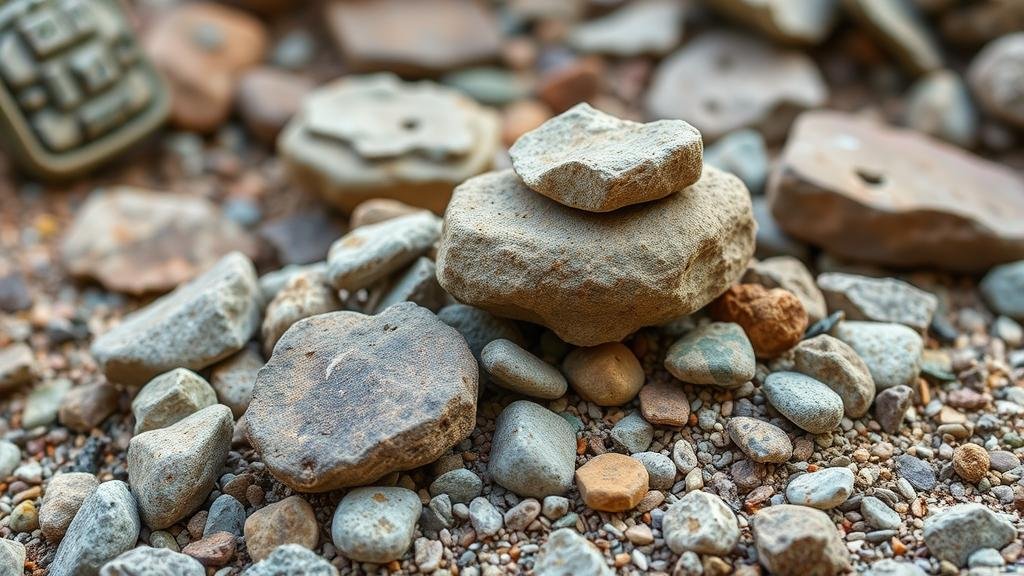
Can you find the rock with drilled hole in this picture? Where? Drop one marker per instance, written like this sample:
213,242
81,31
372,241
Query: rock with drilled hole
593,277
347,398
869,192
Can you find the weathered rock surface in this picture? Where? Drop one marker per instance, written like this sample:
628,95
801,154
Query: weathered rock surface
172,470
533,451
292,559
892,353
374,136
790,274
1003,289
700,522
587,159
876,194
836,364
417,284
787,21
136,241
824,489
744,82
566,552
198,324
372,252
169,398
612,482
12,558
878,299
375,524
718,354
567,269
954,533
347,398
806,402
518,370
105,526
146,561
761,441
607,375
17,366
798,541
305,294
774,320
64,496
233,379
289,521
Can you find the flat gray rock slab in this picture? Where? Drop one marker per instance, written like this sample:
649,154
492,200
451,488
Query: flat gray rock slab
593,277
954,533
593,161
878,299
106,525
347,398
147,561
892,352
201,322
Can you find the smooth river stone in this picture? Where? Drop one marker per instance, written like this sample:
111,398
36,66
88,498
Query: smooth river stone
806,402
718,354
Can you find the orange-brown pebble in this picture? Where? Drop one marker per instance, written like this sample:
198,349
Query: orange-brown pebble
664,404
774,319
612,482
971,462
521,117
607,375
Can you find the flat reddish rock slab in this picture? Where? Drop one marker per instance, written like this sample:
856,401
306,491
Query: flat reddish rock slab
347,398
878,194
413,36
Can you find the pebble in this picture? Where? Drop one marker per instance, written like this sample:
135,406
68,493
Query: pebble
788,22
991,76
566,552
878,299
201,49
896,182
414,37
607,375
377,210
484,517
636,29
233,379
169,398
375,136
375,251
743,153
146,561
954,533
716,354
415,399
64,496
805,401
745,83
268,97
10,457
292,559
900,31
568,83
773,319
916,471
890,567
12,557
106,525
226,515
513,368
14,293
17,366
533,451
700,522
891,407
612,482
86,406
824,489
878,514
836,363
664,404
24,517
489,85
217,549
1009,331
792,275
632,434
940,105
590,160
43,403
661,471
971,462
480,328
110,243
683,456
200,323
438,515
461,485
418,283
759,440
986,558
520,117
572,268
1003,289
428,554
172,470
287,522
304,294
375,524
892,352
791,538
639,534
518,517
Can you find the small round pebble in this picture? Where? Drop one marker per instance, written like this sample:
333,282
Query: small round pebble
700,522
971,462
760,441
660,469
824,489
375,524
461,485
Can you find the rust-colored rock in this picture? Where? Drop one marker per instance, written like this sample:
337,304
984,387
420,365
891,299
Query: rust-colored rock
664,404
290,521
971,462
214,550
612,482
868,192
774,319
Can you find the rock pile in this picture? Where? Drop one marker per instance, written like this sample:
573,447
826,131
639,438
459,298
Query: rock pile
603,240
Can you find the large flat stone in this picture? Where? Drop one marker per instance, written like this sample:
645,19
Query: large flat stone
593,278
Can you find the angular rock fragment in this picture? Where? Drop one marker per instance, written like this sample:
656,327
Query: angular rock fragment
372,252
105,526
593,161
347,398
878,299
798,541
954,533
718,354
533,451
568,269
305,294
871,193
198,324
169,398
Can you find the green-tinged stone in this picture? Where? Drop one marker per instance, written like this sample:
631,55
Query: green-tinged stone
718,354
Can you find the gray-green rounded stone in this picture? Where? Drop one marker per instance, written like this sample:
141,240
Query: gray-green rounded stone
717,354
